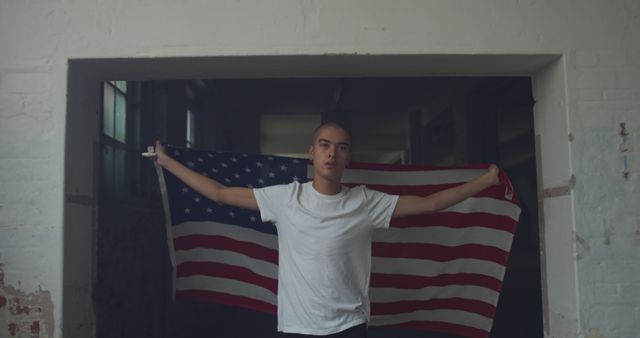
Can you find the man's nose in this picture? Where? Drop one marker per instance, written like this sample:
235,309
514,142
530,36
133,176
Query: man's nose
332,151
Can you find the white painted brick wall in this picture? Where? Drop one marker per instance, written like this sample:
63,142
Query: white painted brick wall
600,42
606,219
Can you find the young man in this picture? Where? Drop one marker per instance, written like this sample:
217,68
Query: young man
324,233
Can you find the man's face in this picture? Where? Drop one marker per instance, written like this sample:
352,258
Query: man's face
330,152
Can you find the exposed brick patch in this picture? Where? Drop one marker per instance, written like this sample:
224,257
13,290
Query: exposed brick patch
13,329
35,328
16,307
23,329
29,315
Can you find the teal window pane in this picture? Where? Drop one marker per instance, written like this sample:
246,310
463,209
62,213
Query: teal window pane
122,85
108,110
121,118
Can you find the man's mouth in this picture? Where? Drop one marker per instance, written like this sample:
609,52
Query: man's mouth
330,164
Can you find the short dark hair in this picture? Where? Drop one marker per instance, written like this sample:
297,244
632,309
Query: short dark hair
329,124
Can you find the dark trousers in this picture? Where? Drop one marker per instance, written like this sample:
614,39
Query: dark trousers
358,331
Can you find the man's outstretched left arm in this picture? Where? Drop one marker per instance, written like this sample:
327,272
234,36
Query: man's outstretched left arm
409,205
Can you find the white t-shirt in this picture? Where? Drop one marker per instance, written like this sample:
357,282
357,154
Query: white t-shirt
324,253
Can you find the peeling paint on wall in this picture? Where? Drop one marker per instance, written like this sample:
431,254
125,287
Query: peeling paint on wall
26,315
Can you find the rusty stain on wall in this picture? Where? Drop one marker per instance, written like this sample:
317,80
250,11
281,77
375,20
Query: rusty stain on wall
27,315
636,238
594,333
609,231
625,146
582,243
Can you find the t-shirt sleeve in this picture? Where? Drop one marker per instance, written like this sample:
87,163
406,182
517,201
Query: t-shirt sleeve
270,200
380,206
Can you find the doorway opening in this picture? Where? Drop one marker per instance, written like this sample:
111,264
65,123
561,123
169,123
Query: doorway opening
83,155
414,120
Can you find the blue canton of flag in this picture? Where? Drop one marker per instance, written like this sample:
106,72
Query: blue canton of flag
234,170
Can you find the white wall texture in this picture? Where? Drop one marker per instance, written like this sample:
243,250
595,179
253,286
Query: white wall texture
599,42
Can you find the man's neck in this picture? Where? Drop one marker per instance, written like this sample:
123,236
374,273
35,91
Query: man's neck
327,187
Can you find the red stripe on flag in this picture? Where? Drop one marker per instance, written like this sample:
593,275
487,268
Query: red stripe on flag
226,271
228,244
457,220
462,330
399,281
439,253
226,299
462,304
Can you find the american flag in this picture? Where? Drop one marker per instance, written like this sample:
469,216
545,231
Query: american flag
440,272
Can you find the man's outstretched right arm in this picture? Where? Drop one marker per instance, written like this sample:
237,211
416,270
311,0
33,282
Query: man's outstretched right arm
207,187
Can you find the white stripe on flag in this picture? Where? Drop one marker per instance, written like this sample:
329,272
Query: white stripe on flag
428,268
486,204
449,316
445,236
229,286
227,230
258,266
385,295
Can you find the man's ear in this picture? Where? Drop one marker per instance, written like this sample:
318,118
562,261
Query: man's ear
311,153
